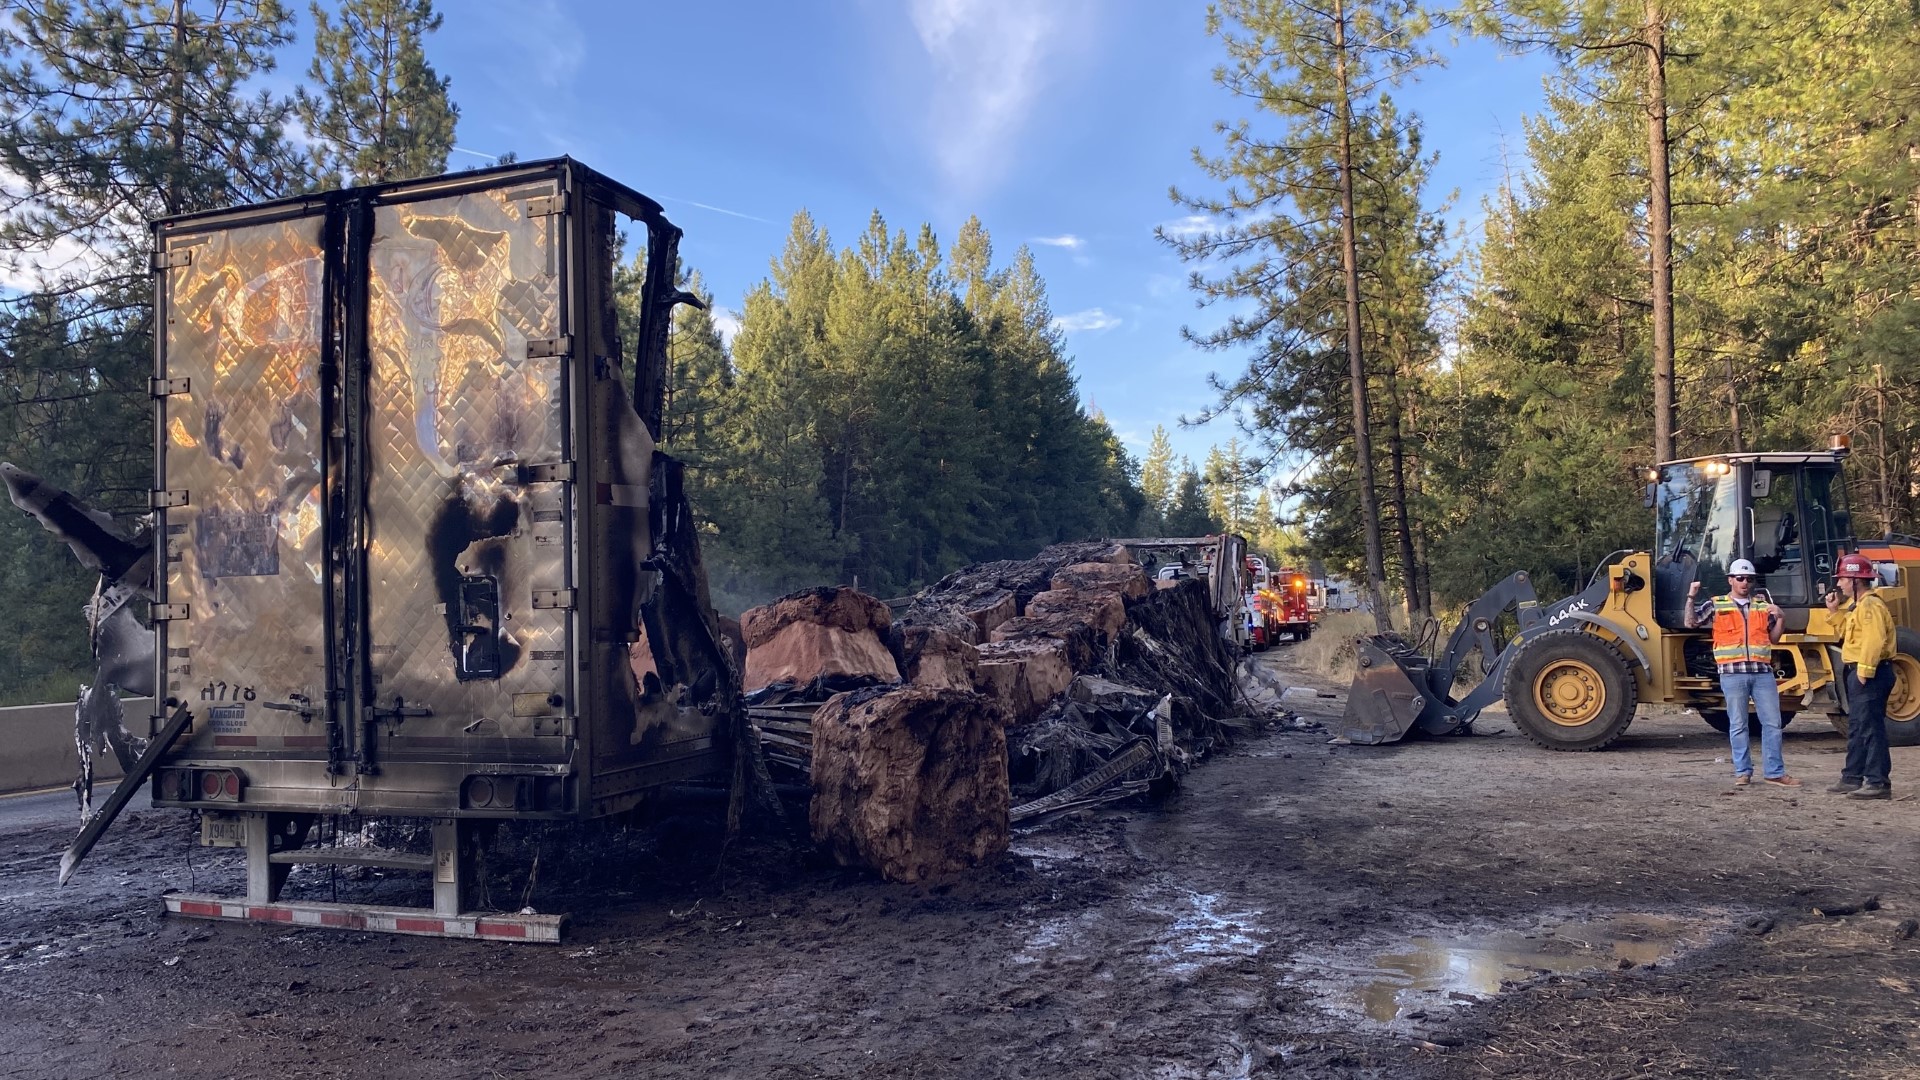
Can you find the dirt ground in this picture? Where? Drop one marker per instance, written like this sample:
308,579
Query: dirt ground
1299,909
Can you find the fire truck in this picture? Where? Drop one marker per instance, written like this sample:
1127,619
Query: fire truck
1286,598
1276,604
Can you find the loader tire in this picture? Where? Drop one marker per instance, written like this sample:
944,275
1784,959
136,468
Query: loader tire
1903,704
1571,690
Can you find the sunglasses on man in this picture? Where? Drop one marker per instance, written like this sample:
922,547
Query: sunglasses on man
1740,577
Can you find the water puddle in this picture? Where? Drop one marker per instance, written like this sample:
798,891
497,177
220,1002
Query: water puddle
1439,971
1189,931
1199,933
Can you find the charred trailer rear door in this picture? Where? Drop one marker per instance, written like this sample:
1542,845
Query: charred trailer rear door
420,554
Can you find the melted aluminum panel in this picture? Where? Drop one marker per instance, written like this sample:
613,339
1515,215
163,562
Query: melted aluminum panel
243,324
459,406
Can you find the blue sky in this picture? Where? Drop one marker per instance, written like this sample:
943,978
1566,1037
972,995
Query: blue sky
1061,123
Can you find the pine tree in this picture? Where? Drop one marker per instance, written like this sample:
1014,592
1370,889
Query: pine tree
1156,475
1189,515
893,412
1290,214
381,112
115,113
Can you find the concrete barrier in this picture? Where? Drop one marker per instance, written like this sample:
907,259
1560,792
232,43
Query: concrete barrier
36,745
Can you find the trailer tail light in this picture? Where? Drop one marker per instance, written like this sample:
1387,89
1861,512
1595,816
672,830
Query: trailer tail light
496,791
220,785
174,785
199,785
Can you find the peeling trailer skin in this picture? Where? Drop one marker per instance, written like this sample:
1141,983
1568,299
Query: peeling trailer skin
419,555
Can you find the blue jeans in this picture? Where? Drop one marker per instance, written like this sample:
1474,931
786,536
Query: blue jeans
1764,692
1867,757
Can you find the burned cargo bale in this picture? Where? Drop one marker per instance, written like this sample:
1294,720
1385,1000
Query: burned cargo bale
911,782
1024,675
1088,610
839,607
1079,639
1109,696
1173,644
1101,611
935,658
1127,579
1069,741
817,633
969,615
988,594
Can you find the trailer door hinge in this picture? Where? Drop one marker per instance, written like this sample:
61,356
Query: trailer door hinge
543,205
546,474
559,346
160,500
168,387
552,598
177,257
167,612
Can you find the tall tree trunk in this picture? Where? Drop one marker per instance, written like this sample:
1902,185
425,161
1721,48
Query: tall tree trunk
177,122
1733,407
1660,234
1403,520
1356,361
1885,486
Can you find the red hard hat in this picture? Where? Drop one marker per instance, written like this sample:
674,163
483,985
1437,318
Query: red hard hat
1856,566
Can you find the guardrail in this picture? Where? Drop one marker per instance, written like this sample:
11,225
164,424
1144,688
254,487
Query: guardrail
36,745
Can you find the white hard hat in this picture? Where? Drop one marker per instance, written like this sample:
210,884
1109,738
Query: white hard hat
1742,566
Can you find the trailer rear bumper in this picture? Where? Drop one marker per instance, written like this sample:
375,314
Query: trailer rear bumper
533,929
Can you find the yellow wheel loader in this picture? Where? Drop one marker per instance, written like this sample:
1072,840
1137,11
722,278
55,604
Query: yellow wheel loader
1573,672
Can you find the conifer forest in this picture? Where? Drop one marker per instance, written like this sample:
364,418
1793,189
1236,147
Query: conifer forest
1709,240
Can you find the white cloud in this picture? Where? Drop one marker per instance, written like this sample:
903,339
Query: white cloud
551,44
1090,320
720,210
65,259
1164,286
988,58
1064,240
727,321
1190,226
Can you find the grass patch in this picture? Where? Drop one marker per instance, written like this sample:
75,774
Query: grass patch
1329,653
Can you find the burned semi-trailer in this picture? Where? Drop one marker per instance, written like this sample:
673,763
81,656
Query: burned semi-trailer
414,551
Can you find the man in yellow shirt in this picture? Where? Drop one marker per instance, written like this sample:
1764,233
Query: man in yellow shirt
1866,646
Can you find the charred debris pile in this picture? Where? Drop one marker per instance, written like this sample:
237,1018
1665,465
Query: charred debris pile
1005,692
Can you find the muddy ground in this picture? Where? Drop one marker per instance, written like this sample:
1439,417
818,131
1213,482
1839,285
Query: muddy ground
1299,909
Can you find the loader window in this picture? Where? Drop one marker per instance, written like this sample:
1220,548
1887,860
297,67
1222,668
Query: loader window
1698,521
1827,527
1778,551
1696,533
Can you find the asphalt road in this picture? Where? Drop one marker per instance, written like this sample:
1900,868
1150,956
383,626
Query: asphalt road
36,808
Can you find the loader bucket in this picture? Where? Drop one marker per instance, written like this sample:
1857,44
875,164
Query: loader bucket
1387,696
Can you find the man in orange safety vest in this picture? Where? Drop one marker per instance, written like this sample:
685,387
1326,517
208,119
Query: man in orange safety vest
1745,628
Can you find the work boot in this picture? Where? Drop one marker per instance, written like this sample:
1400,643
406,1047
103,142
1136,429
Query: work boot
1872,791
1845,786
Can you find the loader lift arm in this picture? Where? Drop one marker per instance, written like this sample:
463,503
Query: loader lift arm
1397,689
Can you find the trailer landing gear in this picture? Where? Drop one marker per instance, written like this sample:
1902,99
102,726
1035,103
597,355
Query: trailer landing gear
273,840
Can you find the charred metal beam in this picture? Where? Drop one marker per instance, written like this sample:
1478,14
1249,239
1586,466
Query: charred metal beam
130,783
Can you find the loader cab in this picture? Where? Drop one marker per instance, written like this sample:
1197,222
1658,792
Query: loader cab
1786,512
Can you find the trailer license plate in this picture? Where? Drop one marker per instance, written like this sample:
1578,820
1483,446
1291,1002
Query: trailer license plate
222,830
